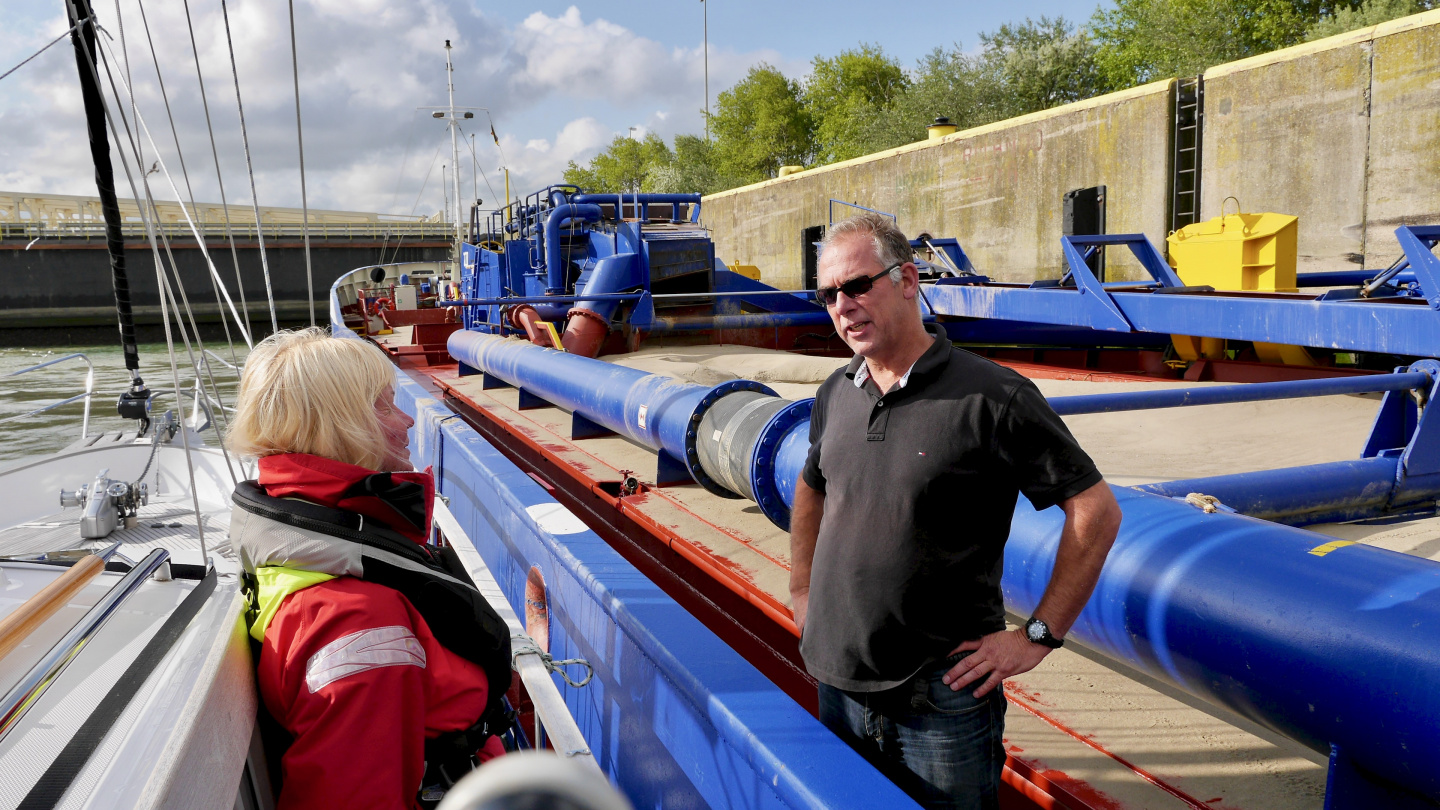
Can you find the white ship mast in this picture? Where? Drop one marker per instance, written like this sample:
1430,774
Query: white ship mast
454,150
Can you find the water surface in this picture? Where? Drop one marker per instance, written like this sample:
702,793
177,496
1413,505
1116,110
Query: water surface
55,429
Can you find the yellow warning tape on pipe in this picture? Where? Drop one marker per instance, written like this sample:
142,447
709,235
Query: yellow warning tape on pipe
1321,551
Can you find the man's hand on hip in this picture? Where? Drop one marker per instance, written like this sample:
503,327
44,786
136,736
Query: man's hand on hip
799,605
995,658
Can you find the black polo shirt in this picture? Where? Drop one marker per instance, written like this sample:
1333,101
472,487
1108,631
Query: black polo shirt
920,485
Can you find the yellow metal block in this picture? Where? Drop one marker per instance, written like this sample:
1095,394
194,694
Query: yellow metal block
1283,353
554,335
1189,347
749,271
1238,252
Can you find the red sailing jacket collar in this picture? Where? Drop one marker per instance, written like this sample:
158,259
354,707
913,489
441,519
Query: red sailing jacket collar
402,501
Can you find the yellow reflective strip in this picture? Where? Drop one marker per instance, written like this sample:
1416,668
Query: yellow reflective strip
273,584
1321,551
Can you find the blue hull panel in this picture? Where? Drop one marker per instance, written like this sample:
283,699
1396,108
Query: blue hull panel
675,716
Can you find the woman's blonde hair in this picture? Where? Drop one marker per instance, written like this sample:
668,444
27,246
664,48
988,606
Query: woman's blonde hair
304,391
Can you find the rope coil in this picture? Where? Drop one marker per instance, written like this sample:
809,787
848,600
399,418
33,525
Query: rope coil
524,645
1205,503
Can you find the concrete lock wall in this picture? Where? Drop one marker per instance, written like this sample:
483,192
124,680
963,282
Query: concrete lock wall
999,189
1343,133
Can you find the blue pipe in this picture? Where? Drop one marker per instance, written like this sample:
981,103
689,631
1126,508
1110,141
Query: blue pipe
613,273
758,320
1250,392
554,262
1348,278
1328,647
535,299
552,312
1301,496
644,200
653,410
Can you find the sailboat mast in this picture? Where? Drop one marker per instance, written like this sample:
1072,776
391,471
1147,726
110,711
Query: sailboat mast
83,37
454,148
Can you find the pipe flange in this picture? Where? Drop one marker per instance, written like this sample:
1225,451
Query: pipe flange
762,461
585,313
692,431
1430,368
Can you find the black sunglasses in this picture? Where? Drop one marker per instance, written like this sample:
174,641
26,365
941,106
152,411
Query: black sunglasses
855,287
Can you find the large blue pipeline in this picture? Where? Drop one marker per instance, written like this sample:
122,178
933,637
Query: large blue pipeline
1333,644
735,439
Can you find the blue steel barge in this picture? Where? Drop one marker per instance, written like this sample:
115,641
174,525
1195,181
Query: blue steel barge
1214,594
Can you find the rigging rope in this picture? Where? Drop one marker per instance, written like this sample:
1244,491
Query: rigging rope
300,136
150,214
250,171
159,273
194,365
483,175
219,180
184,172
27,59
125,52
405,159
524,645
194,229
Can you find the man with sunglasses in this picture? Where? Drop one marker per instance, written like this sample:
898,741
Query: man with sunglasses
918,454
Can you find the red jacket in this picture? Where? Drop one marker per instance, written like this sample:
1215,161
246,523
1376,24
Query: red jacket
352,671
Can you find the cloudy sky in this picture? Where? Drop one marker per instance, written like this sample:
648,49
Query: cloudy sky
560,80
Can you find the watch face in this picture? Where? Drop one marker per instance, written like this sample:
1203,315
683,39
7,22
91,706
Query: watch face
1035,630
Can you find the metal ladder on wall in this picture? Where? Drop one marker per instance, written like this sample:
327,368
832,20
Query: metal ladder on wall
1185,162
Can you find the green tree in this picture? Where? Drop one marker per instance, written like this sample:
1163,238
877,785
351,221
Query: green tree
625,165
1145,40
692,170
759,125
1038,65
842,91
1021,68
1370,12
944,83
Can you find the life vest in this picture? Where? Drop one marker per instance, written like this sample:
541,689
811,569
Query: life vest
286,545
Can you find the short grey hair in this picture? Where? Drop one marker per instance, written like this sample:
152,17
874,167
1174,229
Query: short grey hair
890,244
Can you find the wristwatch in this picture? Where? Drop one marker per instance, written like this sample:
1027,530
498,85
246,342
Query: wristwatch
1039,632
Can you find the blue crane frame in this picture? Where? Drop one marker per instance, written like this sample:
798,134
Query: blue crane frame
1396,323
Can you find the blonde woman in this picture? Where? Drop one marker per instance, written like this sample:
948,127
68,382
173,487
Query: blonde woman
378,656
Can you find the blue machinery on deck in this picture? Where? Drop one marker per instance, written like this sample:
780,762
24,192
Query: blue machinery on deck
1333,644
592,265
1397,315
596,264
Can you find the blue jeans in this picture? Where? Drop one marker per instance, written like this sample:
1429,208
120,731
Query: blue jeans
943,748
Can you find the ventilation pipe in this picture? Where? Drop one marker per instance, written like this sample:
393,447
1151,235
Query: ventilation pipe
589,322
555,263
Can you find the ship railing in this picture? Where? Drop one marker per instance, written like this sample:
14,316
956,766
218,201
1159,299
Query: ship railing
533,666
35,232
85,396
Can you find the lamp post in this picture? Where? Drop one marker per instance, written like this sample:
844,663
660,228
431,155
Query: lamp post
705,18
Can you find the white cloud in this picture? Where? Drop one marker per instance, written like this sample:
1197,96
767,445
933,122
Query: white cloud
559,89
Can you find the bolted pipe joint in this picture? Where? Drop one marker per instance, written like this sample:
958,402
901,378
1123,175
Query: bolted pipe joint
778,457
728,432
714,443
